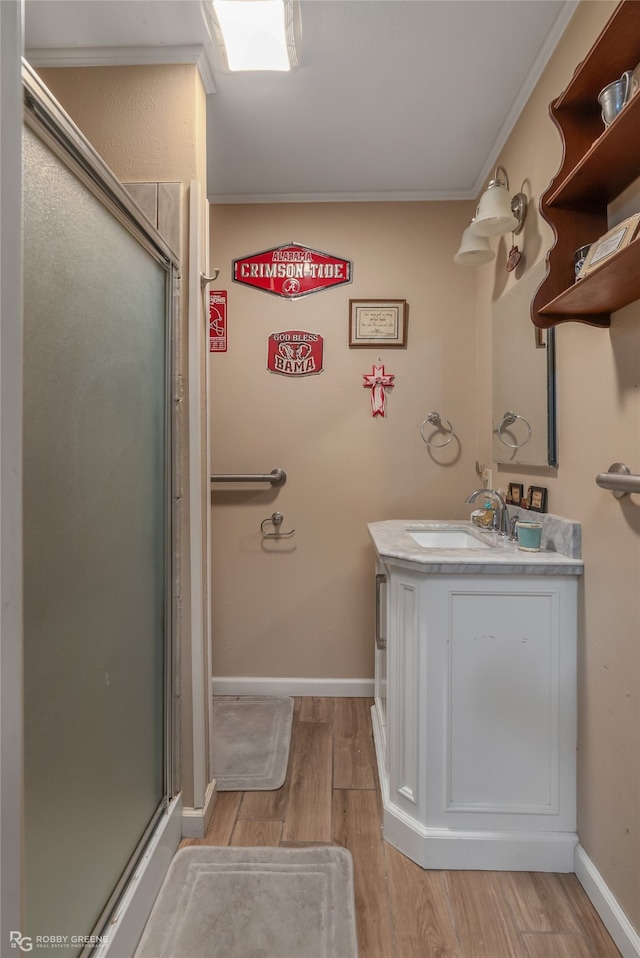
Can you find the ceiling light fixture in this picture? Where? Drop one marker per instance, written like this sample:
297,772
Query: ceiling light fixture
258,34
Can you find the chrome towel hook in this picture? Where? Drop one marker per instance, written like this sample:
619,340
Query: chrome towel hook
205,280
435,419
276,521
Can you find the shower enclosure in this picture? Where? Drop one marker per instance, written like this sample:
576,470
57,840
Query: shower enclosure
99,291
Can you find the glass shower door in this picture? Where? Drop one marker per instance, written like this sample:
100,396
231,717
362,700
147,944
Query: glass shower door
96,545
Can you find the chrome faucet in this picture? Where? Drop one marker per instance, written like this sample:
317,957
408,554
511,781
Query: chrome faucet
502,524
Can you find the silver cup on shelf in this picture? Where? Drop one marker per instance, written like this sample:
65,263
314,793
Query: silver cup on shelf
615,96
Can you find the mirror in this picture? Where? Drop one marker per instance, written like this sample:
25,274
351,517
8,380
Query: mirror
524,380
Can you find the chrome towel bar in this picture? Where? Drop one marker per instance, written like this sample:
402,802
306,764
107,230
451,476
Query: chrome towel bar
618,480
277,477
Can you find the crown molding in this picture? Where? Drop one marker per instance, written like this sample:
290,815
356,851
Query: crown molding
386,196
195,53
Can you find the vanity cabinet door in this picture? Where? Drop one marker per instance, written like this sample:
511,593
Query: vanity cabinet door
502,702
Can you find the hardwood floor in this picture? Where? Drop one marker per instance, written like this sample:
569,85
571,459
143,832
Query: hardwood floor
331,796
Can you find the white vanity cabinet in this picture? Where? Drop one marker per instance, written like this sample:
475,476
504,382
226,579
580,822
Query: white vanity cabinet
476,741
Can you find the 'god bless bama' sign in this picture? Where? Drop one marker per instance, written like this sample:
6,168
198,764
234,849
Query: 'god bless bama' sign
291,271
295,353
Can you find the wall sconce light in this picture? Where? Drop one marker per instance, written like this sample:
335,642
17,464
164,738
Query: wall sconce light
474,250
497,212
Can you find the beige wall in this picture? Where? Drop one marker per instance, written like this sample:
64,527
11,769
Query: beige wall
148,124
598,424
303,607
142,119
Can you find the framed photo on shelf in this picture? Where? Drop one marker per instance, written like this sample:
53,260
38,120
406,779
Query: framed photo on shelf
537,497
377,322
609,244
515,493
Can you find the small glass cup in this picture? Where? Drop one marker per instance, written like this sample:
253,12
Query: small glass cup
529,535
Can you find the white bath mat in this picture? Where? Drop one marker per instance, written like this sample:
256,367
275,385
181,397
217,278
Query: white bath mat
254,903
251,739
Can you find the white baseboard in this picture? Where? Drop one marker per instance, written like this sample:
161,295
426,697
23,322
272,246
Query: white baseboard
131,915
614,919
195,821
249,685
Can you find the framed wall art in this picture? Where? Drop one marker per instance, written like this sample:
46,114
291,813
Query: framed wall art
515,493
609,244
377,322
537,496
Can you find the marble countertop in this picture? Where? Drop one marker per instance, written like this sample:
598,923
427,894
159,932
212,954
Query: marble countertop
494,555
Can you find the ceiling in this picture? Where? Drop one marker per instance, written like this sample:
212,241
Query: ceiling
393,99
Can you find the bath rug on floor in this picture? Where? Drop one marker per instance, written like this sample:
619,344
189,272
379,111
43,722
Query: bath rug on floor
254,903
251,739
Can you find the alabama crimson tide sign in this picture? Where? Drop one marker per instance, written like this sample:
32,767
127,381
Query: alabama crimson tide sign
295,353
291,271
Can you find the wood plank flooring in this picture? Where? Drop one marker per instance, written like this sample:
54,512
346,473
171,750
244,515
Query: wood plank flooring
331,796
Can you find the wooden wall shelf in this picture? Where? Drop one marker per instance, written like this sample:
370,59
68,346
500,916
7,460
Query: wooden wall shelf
597,165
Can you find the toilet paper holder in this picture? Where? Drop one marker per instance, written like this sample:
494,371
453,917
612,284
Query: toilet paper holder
276,519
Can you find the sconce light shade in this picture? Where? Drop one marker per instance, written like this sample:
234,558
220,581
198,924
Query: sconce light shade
497,213
474,250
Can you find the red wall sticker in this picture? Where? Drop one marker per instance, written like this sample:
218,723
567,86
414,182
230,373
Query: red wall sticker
218,321
291,271
295,353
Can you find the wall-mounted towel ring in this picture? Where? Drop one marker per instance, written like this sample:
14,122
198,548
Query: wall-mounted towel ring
435,419
276,521
508,420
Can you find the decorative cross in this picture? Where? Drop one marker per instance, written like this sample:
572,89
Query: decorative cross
376,381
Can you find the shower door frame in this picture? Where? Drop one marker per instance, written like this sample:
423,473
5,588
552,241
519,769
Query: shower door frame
11,33
159,841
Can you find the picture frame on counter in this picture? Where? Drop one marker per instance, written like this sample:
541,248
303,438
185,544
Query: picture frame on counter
515,493
537,498
377,322
608,245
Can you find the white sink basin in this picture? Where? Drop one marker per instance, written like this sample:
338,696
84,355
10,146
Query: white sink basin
446,539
